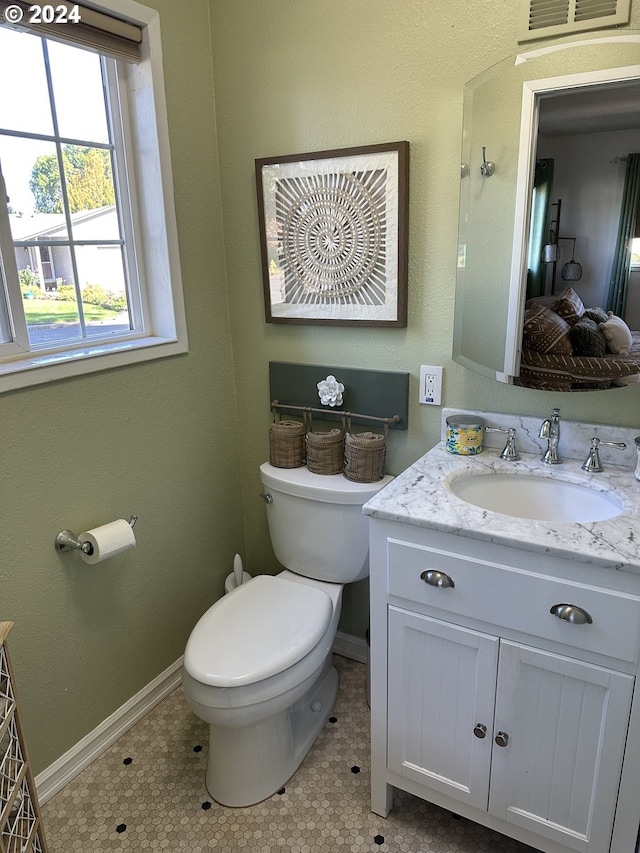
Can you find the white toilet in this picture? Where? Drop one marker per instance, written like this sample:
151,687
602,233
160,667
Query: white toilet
257,666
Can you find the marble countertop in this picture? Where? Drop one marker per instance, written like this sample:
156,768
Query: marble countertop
420,496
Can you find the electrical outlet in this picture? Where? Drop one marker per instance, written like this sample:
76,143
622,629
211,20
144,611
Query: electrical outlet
430,385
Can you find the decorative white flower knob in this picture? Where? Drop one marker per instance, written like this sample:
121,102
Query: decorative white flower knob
330,391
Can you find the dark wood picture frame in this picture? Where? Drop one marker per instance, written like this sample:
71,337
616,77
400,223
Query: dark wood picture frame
334,236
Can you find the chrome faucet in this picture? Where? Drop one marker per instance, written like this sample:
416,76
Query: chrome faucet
592,463
550,430
510,452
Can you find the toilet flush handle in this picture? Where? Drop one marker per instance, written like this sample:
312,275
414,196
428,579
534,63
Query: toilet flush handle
268,499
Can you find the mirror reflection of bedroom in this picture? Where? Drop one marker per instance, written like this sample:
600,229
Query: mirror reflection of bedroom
582,316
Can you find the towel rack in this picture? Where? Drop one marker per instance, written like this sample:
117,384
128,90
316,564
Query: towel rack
344,416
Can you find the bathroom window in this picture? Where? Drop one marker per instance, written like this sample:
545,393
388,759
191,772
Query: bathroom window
89,268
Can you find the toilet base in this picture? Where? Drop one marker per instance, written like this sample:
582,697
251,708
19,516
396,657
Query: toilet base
247,765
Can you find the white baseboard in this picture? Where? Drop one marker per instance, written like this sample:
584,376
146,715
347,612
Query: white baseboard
74,761
65,768
351,647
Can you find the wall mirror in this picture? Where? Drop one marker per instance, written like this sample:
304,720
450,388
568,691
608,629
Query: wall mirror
547,139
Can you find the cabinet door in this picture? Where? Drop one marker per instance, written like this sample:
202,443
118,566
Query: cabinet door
566,726
441,687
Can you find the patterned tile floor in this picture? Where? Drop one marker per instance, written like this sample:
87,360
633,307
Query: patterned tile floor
147,792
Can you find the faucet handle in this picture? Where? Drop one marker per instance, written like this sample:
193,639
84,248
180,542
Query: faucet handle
592,463
510,452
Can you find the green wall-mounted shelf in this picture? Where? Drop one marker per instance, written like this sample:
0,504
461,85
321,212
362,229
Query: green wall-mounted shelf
373,394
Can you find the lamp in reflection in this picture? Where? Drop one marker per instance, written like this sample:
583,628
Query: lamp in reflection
551,251
572,270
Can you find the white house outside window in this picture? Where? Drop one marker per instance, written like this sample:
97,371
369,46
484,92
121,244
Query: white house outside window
87,281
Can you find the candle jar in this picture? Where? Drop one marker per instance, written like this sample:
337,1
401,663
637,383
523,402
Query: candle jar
465,434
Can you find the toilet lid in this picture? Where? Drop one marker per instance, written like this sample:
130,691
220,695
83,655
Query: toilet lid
260,629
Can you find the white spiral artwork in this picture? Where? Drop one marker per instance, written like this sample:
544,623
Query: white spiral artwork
332,243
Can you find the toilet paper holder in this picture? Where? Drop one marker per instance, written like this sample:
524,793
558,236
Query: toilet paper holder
67,540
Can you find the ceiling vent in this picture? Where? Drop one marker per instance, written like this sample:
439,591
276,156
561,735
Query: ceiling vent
542,18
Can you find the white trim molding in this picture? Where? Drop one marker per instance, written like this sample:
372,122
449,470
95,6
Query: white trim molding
74,761
354,648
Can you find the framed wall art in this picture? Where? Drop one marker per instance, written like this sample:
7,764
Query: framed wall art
333,234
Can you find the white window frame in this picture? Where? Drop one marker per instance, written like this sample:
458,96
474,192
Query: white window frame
146,139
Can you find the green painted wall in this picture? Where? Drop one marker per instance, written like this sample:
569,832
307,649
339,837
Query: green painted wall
158,440
179,441
306,75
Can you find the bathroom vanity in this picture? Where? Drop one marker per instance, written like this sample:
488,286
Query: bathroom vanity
505,649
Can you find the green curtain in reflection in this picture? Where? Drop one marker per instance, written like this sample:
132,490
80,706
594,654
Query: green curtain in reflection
619,283
540,225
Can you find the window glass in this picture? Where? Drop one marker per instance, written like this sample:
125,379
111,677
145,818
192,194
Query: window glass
24,100
90,192
89,278
63,210
79,93
5,325
50,321
32,177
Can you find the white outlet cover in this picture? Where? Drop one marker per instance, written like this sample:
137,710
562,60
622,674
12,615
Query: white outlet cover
430,392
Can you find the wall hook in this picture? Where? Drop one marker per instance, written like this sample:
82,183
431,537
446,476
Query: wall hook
488,168
464,170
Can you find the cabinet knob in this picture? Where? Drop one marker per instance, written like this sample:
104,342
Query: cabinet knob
439,579
480,730
502,738
571,613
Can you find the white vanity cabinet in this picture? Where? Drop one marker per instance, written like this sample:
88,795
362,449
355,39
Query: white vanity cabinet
487,703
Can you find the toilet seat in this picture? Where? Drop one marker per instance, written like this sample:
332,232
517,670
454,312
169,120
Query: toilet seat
260,629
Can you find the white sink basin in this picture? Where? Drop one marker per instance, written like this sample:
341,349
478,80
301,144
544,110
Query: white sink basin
536,498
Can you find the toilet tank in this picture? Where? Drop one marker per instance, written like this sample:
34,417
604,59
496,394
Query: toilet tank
316,523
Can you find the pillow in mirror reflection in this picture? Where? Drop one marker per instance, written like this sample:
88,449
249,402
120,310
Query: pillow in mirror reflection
587,338
569,306
598,315
617,334
546,332
547,301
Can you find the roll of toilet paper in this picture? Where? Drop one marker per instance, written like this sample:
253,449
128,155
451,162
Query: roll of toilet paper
107,540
